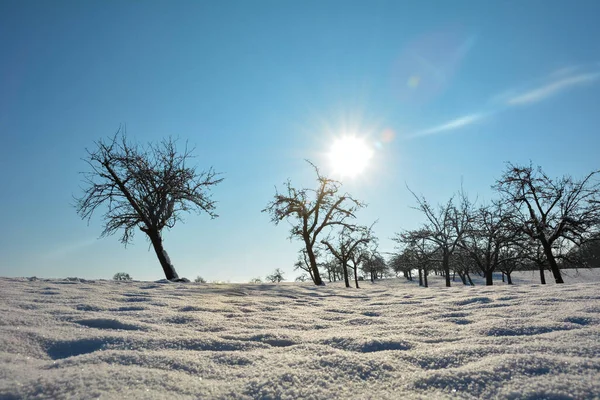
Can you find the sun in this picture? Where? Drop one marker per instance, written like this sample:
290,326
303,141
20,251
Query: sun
349,156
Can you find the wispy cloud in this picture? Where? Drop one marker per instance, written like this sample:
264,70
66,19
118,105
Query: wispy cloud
554,83
451,125
551,88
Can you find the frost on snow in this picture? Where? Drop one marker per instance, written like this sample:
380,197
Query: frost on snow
388,340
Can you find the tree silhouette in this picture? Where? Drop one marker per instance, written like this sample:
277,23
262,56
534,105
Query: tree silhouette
551,211
445,226
276,276
310,211
349,244
489,232
144,187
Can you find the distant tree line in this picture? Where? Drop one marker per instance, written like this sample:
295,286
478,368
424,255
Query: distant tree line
536,223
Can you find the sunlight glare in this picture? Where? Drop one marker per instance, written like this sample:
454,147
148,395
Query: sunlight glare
350,155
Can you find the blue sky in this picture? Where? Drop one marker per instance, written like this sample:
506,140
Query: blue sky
444,91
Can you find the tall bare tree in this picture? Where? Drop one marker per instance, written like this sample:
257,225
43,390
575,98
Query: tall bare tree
551,211
311,211
144,187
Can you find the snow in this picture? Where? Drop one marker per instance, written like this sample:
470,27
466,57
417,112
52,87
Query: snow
389,340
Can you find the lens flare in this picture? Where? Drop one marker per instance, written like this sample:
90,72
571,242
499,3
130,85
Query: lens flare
413,81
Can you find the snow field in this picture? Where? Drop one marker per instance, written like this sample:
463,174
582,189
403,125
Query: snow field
388,340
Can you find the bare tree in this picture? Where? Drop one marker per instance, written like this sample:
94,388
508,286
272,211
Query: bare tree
349,243
513,257
122,276
445,226
356,260
302,278
144,187
374,265
276,276
333,268
415,253
303,263
404,262
488,232
462,264
551,211
310,211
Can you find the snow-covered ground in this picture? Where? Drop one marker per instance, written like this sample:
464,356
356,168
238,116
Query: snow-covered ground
388,340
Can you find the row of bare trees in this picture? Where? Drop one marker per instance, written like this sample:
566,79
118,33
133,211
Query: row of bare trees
536,221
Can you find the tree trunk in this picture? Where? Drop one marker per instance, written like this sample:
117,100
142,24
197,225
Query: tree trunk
509,280
553,265
542,277
489,274
356,275
313,265
446,265
470,280
420,277
425,283
345,269
502,276
163,258
462,277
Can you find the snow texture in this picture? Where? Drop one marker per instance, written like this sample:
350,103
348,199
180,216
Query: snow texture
389,340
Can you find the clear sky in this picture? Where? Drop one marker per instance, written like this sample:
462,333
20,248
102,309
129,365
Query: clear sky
442,91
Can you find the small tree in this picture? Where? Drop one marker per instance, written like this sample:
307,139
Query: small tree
374,265
416,251
333,268
302,278
144,187
357,258
200,279
303,264
552,211
276,276
445,226
255,280
512,258
350,243
121,276
489,231
310,211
